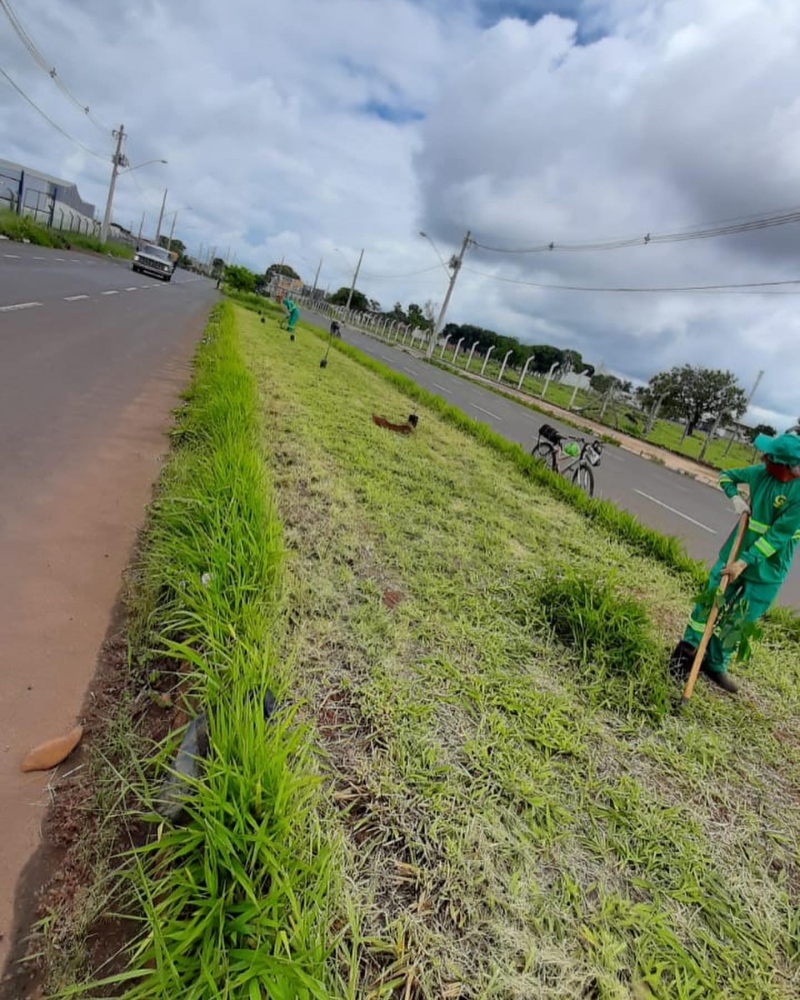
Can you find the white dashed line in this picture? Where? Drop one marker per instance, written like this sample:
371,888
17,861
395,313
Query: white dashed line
672,510
40,258
113,291
132,288
487,412
12,256
75,260
409,370
75,298
19,305
62,259
442,387
143,286
387,357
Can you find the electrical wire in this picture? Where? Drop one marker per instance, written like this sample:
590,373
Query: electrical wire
48,119
406,274
744,224
738,286
45,65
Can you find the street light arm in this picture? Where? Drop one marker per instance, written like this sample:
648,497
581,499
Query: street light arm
441,259
138,165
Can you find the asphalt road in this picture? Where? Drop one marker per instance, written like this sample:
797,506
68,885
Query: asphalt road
92,358
700,515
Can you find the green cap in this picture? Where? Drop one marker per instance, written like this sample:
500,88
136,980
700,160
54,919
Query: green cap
783,449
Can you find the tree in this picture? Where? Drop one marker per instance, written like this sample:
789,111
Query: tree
768,429
359,301
275,269
217,266
374,305
694,394
240,279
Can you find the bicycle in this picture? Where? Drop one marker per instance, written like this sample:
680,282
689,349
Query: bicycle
567,455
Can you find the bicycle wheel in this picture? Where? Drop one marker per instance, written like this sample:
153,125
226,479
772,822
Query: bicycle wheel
546,453
584,478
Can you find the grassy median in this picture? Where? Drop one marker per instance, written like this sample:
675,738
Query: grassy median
523,814
474,786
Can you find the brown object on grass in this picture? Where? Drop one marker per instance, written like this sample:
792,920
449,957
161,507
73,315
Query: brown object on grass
391,598
406,428
48,754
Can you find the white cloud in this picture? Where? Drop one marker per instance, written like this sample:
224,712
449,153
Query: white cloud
296,128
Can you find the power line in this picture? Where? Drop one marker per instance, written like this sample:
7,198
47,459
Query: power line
736,287
48,119
744,224
44,64
406,274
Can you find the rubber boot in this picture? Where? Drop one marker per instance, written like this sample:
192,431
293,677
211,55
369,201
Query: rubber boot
681,660
721,678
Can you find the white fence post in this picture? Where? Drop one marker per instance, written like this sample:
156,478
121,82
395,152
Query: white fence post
486,359
524,371
503,366
444,346
458,348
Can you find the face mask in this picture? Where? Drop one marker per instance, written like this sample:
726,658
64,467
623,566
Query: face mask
783,473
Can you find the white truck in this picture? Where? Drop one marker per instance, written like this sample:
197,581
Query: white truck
156,261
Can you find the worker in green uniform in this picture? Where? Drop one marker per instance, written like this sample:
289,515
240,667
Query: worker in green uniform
293,311
765,557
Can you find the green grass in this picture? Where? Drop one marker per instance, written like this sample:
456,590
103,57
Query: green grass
512,827
235,903
22,227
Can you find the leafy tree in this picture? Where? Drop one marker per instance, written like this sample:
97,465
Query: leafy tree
694,393
602,382
275,269
240,278
359,301
544,357
768,429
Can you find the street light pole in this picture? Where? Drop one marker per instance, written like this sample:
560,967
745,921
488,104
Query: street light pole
117,161
316,277
172,230
161,215
355,279
455,264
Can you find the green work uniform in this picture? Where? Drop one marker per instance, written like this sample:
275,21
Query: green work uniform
768,547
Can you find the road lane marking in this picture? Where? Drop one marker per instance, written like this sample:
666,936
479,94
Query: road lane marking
442,387
40,258
75,260
132,288
62,259
143,286
487,412
19,305
409,370
113,291
387,357
75,298
12,256
679,513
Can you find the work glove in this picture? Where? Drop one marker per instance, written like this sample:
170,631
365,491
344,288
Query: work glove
740,505
734,570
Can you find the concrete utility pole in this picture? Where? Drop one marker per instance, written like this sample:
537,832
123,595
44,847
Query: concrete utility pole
172,230
747,404
455,264
118,161
316,277
355,279
139,237
161,215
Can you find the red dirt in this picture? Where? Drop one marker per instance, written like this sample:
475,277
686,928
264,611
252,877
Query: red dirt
63,557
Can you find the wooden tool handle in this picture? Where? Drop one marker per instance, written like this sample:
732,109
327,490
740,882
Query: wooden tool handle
714,614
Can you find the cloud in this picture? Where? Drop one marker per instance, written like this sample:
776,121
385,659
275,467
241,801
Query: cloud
296,129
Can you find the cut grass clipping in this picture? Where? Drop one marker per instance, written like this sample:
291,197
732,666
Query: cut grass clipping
234,903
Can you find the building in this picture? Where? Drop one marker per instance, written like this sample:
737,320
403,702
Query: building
48,200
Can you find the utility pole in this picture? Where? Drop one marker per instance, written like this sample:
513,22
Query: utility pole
455,264
316,277
355,279
118,160
161,215
747,404
139,237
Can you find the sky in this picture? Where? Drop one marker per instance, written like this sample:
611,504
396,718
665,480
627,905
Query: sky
310,129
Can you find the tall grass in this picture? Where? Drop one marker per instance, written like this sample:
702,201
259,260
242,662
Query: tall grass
22,227
234,902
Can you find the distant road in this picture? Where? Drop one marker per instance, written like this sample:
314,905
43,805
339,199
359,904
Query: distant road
699,515
92,358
